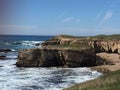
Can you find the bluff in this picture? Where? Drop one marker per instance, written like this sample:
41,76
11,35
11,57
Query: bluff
70,51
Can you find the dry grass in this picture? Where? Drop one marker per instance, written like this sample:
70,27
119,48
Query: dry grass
110,81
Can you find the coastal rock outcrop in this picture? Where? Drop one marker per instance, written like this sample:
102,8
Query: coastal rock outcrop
69,51
55,57
57,40
99,45
65,40
106,46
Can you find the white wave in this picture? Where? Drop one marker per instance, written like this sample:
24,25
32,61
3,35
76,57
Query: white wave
13,50
12,57
25,43
31,43
8,43
13,78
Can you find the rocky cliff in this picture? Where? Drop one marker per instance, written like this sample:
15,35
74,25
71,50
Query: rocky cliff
66,40
69,51
111,45
55,57
106,46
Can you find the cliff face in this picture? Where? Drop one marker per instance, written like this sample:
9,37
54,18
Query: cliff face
55,57
106,46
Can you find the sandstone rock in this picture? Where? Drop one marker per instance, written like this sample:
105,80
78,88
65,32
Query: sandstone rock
76,58
52,41
28,57
49,55
55,57
112,58
118,51
65,40
110,62
60,40
106,46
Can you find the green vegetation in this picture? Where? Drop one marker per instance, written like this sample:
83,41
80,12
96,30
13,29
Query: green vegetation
74,46
101,37
107,37
110,81
69,36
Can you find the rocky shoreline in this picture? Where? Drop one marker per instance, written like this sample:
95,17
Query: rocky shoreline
102,54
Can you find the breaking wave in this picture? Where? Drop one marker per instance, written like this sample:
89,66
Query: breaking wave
13,78
25,43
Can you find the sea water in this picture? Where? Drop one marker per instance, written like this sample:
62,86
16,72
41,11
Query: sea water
37,78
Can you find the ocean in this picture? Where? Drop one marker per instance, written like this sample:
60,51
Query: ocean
37,78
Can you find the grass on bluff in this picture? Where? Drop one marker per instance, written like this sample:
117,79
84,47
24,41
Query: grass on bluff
69,36
107,37
110,81
75,46
101,37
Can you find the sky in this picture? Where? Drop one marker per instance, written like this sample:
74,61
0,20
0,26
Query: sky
54,17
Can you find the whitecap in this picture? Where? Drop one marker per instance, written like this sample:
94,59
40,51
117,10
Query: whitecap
31,43
13,50
11,57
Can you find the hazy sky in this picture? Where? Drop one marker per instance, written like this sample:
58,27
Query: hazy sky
53,17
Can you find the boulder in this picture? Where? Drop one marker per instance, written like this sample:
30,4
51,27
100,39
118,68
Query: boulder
37,44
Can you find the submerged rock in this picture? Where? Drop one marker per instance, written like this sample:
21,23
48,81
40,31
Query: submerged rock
2,57
5,50
37,44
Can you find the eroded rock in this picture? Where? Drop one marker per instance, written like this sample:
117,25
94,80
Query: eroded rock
55,57
106,46
83,54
